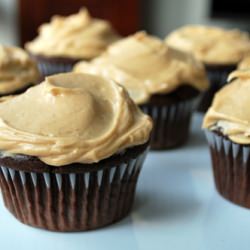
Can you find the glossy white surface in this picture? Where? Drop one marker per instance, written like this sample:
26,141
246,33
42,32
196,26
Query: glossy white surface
176,207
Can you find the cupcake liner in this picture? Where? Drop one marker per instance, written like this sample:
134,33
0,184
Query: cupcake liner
231,167
71,201
50,68
218,78
53,65
171,123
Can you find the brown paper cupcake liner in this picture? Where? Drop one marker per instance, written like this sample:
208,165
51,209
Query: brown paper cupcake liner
231,167
78,201
217,76
171,123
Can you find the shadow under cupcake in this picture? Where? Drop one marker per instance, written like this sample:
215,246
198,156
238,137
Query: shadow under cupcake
227,129
68,163
164,82
219,49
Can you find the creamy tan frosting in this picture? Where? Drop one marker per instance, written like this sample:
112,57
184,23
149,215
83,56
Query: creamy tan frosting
145,65
230,109
17,70
245,63
75,36
136,89
211,45
72,118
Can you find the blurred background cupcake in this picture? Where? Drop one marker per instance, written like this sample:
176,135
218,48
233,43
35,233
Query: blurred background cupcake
17,71
227,125
157,17
65,168
164,82
219,49
67,40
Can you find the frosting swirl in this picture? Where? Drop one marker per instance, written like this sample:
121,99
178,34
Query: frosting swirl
230,109
211,45
146,66
76,36
245,63
17,70
72,118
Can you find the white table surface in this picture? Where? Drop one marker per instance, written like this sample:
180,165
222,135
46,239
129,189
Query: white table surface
176,207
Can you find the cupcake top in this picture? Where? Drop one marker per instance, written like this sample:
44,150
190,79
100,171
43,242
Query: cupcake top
76,36
245,63
146,66
211,45
17,70
72,118
230,111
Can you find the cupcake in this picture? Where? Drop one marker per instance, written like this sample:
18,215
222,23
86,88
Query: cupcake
17,71
164,82
219,49
66,40
71,151
227,125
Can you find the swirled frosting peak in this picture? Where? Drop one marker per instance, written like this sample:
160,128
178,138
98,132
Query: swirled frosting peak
76,36
72,118
212,45
230,111
17,70
146,66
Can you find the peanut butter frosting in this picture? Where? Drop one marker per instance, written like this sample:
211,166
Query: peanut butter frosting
230,111
145,65
72,118
245,63
17,70
76,36
211,45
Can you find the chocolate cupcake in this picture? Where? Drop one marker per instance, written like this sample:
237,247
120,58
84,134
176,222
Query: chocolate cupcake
17,71
67,40
219,49
72,148
164,82
227,125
